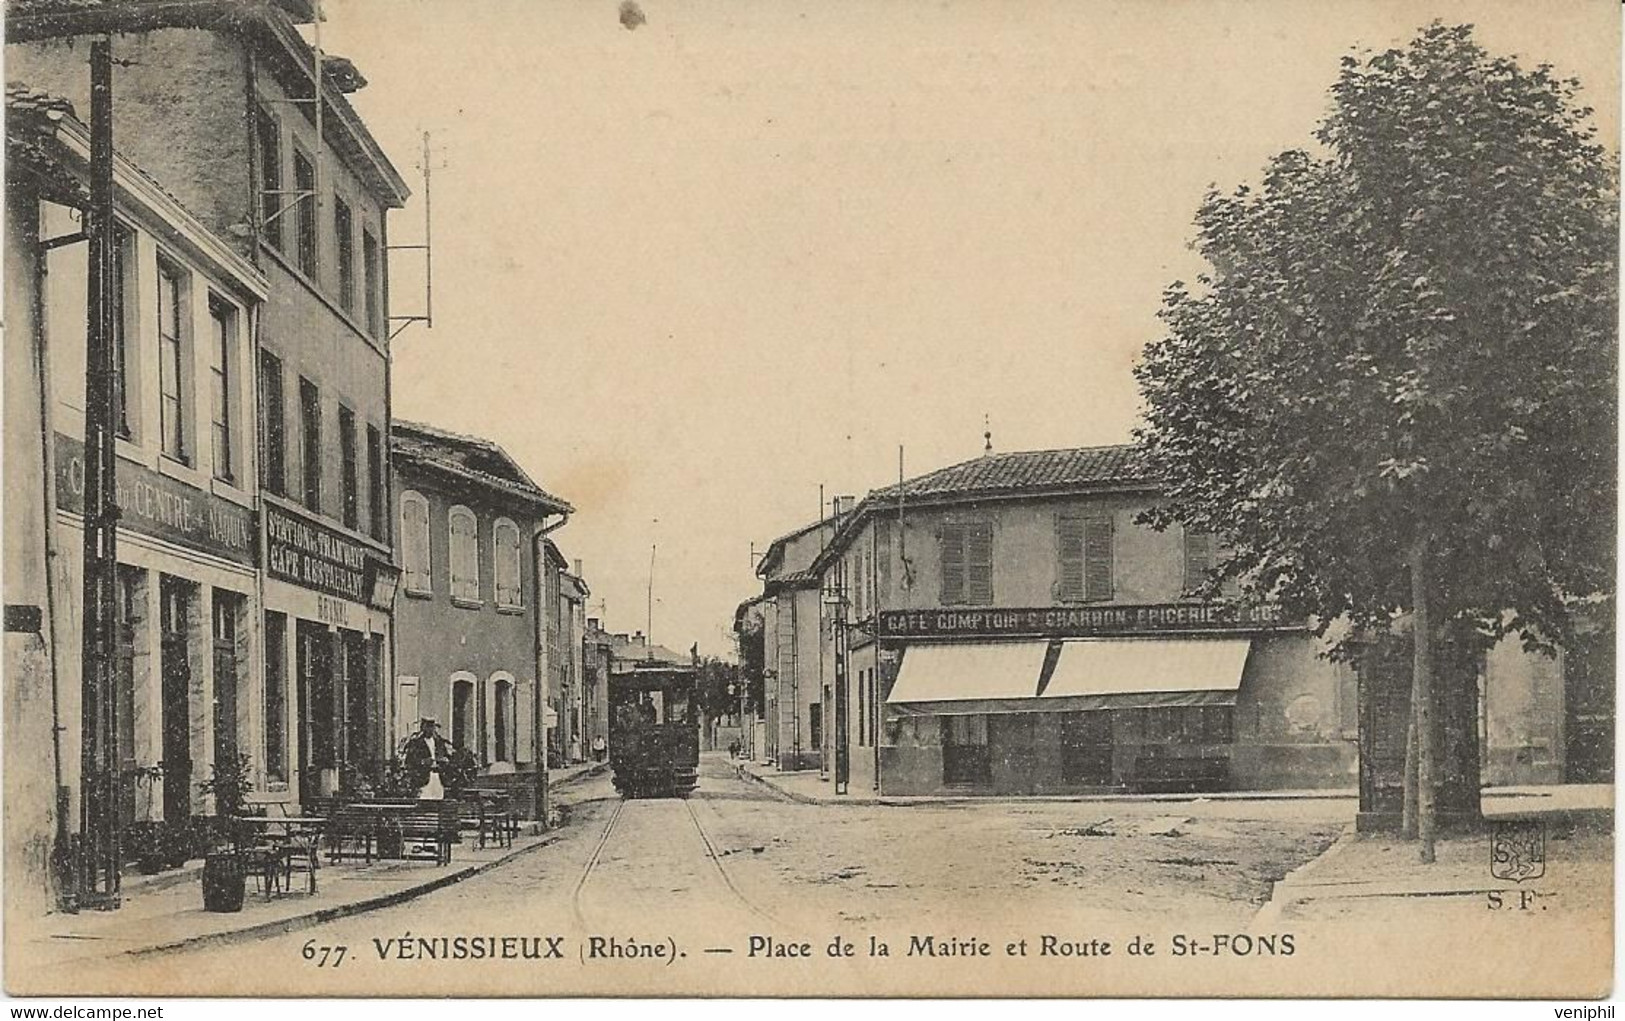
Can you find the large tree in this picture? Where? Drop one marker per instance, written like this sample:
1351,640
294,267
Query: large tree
1393,392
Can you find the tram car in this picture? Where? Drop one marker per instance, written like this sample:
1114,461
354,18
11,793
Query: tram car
654,731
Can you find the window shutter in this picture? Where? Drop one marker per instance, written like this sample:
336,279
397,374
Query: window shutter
882,563
1069,543
1198,559
953,564
1097,558
979,563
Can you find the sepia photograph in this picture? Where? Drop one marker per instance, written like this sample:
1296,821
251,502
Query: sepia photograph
894,499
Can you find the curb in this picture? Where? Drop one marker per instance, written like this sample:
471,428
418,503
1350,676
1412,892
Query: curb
1282,894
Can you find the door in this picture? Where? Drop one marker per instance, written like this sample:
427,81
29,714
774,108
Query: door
226,608
965,758
315,705
176,692
1086,748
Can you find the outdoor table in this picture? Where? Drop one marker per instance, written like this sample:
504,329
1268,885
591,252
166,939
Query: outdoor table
293,828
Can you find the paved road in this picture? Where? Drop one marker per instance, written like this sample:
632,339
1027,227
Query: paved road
643,890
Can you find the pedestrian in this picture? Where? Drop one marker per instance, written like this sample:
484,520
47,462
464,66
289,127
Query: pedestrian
599,747
733,748
426,755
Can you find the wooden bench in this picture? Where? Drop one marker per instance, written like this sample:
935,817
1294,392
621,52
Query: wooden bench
1180,773
427,828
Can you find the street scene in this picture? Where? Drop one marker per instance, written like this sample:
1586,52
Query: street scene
413,580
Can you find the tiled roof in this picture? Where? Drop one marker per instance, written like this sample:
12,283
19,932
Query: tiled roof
468,457
1027,471
22,100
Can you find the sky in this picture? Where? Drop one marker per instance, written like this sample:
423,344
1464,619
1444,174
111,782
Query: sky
689,273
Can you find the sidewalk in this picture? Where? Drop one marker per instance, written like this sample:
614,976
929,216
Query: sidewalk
165,912
1365,875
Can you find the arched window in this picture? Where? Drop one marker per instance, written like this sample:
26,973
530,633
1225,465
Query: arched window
465,554
465,713
505,563
415,570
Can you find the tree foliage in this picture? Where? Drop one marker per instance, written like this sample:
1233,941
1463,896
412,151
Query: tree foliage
1409,332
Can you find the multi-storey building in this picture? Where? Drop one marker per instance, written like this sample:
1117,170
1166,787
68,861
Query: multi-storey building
471,614
219,102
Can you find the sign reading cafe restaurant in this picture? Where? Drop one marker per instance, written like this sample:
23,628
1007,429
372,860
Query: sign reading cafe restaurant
315,557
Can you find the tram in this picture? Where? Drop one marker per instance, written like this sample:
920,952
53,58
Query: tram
654,730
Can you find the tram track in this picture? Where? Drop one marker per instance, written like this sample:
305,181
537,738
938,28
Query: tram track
592,863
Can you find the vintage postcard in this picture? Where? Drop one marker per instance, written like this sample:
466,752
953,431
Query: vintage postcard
653,497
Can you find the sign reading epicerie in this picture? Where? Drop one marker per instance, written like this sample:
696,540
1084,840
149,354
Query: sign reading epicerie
314,557
160,506
1078,621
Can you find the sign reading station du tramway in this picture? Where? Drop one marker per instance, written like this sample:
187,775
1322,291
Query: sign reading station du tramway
159,506
314,556
1080,622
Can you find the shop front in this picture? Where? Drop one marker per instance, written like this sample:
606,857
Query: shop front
186,650
328,598
1070,700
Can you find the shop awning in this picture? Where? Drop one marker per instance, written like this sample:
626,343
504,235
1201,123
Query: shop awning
969,677
1127,673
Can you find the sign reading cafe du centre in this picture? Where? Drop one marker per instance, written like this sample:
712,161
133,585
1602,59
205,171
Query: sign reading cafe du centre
159,506
1080,621
315,557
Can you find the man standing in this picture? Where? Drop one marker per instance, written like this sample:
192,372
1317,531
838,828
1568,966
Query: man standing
426,754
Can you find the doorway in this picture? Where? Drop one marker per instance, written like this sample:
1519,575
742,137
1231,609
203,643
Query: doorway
228,607
131,610
965,757
1086,748
175,598
314,648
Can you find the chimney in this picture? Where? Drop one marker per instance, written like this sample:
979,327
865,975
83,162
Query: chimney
637,639
844,505
575,568
592,624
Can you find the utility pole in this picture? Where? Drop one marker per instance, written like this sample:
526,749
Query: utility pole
96,880
843,751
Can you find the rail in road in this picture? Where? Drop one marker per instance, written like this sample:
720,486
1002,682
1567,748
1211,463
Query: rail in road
656,811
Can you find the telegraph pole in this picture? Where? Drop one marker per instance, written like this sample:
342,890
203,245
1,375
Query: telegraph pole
96,880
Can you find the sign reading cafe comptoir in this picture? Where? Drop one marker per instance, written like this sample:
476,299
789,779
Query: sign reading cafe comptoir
1079,621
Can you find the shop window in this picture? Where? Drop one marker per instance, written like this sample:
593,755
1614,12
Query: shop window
465,555
1198,560
967,563
222,343
349,481
172,360
377,496
1084,545
506,554
965,758
304,182
415,570
310,424
1207,724
344,236
270,146
273,424
276,698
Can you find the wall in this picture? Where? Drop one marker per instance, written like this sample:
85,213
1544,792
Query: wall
436,639
1523,716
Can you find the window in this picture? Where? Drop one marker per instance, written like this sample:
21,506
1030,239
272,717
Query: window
349,481
506,553
344,229
270,145
377,498
171,360
1204,724
223,325
464,715
273,424
1198,560
310,424
465,555
304,182
371,281
967,563
503,720
121,350
415,543
1085,552
276,698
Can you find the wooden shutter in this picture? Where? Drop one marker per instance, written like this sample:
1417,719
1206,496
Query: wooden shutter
1069,547
979,563
1198,558
1097,558
953,564
882,562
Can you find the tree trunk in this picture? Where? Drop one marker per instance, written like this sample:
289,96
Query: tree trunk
1422,708
1407,822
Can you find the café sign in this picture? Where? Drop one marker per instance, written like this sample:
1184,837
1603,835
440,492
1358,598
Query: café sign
1079,621
159,506
314,556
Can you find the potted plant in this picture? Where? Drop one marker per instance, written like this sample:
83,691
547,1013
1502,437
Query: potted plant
225,870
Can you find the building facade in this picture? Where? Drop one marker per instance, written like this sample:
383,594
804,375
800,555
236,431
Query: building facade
470,609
